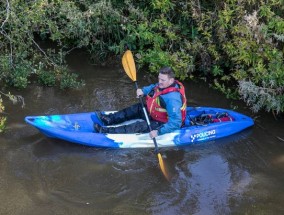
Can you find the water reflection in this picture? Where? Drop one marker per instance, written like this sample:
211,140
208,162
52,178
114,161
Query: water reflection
205,185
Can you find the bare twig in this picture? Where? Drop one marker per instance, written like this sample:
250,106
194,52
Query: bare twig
7,14
37,45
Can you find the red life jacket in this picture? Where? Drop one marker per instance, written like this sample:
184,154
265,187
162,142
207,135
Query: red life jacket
157,112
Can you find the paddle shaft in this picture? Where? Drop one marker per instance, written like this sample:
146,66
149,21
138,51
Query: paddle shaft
147,118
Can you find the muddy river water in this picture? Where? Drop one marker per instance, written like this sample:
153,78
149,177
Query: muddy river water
241,174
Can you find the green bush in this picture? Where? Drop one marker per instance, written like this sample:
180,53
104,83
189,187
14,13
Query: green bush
236,45
47,78
248,38
69,80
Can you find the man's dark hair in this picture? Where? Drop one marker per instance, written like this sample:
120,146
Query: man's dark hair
167,71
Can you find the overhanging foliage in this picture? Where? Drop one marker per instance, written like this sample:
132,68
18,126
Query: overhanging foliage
238,45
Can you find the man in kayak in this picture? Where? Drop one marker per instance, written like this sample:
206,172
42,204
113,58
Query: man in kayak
165,103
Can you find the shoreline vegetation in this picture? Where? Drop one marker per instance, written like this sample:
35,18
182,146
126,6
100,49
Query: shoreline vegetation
236,46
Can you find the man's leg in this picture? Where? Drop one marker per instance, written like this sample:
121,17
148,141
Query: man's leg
136,127
133,112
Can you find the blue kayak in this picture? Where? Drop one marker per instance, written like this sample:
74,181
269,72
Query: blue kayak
202,124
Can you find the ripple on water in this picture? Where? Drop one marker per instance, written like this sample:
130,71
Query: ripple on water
205,186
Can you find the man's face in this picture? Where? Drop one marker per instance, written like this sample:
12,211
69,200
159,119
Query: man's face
165,81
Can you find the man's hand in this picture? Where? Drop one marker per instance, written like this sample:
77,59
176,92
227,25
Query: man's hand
139,93
153,134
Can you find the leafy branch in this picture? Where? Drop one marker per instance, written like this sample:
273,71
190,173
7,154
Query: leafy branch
15,99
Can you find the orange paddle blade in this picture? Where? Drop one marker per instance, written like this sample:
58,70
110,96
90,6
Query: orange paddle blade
129,65
163,167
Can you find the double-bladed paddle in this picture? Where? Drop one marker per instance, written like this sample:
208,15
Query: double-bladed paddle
130,69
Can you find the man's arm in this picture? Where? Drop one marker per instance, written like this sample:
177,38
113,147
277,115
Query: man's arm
147,89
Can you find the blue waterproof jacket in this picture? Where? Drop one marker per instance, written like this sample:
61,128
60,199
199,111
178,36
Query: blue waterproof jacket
173,104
